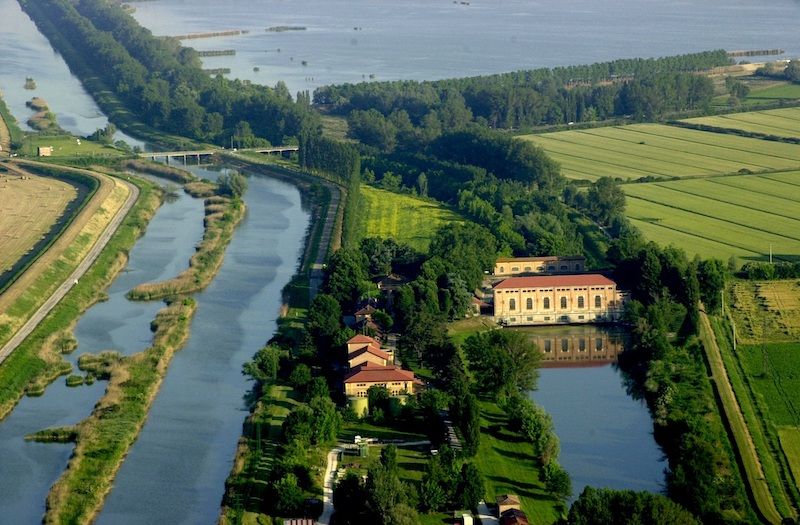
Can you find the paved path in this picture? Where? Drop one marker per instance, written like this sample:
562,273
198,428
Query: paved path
743,441
317,272
327,488
485,515
330,470
79,271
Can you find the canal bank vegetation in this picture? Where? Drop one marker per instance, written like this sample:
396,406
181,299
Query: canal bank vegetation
103,439
223,213
160,170
37,362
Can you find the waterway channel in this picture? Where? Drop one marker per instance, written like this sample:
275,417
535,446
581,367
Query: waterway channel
29,469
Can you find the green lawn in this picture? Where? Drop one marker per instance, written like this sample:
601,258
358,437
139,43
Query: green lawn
741,216
656,150
509,467
790,443
778,122
67,146
404,218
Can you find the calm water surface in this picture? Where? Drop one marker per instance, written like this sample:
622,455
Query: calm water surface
176,470
606,436
24,52
28,470
424,39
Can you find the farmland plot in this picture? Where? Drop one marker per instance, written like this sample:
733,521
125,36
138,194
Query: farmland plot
641,150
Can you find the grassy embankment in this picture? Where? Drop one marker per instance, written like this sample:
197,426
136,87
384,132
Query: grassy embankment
104,438
36,361
761,458
222,216
404,218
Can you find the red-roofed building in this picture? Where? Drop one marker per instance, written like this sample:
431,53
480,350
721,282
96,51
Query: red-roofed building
396,380
557,299
368,354
359,341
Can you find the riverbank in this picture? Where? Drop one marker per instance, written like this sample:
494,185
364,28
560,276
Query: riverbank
103,440
223,214
36,360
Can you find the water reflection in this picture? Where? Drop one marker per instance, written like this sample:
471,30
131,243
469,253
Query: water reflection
606,434
583,345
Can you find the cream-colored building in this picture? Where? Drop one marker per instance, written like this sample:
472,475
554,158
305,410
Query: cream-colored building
557,299
45,151
368,354
510,266
396,380
359,341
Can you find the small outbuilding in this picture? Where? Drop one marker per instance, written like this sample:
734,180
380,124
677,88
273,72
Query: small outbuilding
45,151
513,517
463,517
506,502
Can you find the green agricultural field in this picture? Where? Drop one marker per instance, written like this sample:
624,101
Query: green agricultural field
656,150
741,216
790,443
404,218
779,92
778,122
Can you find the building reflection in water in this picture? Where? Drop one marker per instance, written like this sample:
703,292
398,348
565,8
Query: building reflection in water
584,345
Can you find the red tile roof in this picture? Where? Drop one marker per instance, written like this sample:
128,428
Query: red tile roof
369,349
362,339
550,281
371,373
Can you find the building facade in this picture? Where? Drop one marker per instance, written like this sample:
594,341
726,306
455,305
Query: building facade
397,381
557,299
511,266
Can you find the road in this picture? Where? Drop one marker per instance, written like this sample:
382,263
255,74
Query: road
317,272
79,271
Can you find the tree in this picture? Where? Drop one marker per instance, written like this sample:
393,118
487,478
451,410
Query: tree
792,71
288,496
503,361
324,319
605,200
471,489
422,184
349,498
265,364
626,507
711,276
347,278
556,481
233,185
300,376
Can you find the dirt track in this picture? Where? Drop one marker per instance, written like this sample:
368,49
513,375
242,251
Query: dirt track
80,270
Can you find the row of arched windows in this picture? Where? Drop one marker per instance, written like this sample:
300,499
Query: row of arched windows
598,302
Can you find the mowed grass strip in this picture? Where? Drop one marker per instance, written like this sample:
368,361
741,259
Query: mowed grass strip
783,91
404,218
719,217
640,150
780,122
509,466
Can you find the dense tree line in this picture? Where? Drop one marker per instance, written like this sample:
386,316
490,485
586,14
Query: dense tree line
639,88
162,83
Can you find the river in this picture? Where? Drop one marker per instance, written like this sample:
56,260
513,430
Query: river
351,40
606,436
